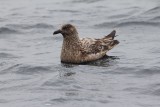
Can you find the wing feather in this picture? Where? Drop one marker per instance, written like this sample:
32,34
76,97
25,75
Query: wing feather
98,46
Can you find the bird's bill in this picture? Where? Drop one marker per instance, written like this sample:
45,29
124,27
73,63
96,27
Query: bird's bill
57,32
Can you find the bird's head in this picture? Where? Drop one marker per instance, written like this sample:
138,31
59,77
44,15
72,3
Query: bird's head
66,30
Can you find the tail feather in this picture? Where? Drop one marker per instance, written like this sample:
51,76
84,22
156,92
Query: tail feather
113,44
111,35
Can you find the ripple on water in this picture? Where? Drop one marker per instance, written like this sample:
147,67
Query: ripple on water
59,100
30,70
7,55
105,25
40,25
85,1
21,28
154,10
64,11
58,83
126,24
27,69
31,26
6,30
156,18
150,89
3,101
138,23
77,99
2,19
155,89
148,71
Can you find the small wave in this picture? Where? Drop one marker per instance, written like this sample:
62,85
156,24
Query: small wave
105,24
85,1
6,30
77,21
30,70
79,99
118,16
3,101
143,23
153,10
6,55
23,28
1,19
33,26
131,11
155,89
59,100
64,11
126,24
17,8
17,26
9,68
157,18
152,89
150,71
156,92
70,11
40,25
27,69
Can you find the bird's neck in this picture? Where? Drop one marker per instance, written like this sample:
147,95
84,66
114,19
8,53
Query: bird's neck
71,44
70,48
72,39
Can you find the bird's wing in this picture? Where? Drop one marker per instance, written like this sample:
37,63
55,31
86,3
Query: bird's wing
100,46
92,46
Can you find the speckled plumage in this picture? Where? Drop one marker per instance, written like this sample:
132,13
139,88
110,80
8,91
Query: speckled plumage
76,50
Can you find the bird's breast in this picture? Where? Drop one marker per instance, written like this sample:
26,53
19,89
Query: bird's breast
70,53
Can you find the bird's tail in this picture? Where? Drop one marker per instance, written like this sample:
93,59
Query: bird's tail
112,44
110,39
111,35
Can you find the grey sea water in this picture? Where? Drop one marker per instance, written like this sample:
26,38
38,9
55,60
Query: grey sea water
31,74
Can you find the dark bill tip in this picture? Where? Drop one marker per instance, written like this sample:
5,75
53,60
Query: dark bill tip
57,32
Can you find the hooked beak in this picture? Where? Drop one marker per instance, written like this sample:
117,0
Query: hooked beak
57,32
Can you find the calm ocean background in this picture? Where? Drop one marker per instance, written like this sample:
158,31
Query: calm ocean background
31,74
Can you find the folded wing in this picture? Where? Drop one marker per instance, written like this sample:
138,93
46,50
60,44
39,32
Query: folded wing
98,47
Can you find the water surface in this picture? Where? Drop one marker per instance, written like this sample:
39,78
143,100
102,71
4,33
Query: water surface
31,74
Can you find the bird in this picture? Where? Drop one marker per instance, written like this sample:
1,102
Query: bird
75,50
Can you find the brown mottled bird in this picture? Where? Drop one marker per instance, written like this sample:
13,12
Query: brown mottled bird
76,50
